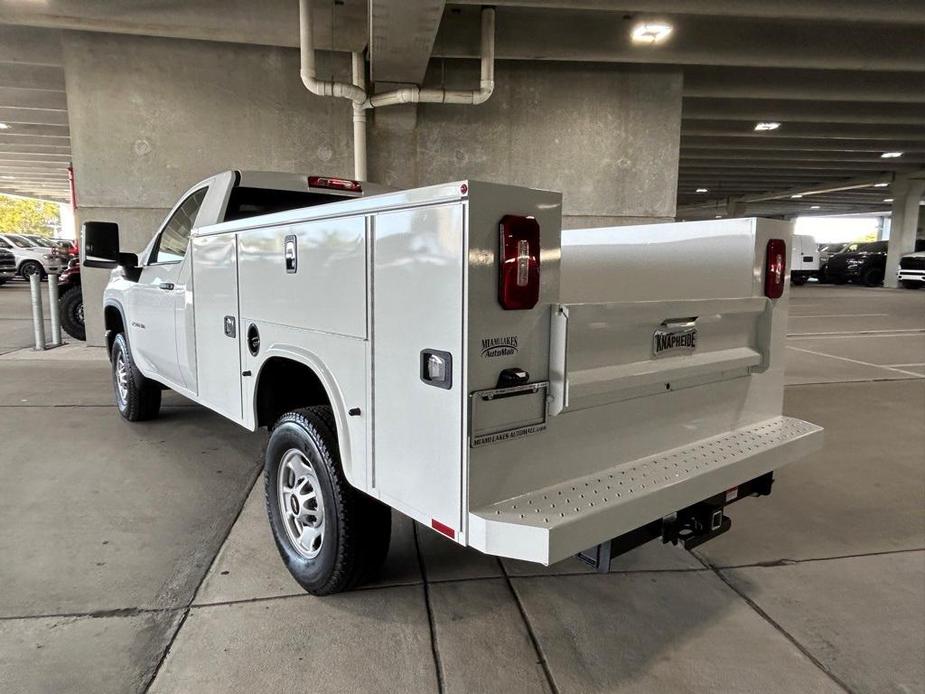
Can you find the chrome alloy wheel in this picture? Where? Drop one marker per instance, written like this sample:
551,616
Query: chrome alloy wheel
122,377
301,505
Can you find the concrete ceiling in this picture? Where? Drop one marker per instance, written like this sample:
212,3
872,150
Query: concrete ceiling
845,78
35,147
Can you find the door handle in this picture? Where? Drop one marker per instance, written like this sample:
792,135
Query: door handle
167,286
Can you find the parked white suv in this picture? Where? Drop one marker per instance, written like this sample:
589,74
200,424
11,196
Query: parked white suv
32,258
912,270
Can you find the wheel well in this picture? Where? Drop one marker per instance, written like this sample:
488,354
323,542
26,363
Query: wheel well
112,318
286,385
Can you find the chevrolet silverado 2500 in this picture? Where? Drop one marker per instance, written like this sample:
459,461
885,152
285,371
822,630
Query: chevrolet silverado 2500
451,353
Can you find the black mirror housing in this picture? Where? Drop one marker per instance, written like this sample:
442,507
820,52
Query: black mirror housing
100,241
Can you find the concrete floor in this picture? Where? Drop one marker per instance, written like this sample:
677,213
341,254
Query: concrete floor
138,557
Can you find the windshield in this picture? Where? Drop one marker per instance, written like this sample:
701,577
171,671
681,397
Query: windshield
40,241
20,241
5,244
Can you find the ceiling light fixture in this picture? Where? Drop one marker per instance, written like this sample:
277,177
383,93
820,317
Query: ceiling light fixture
764,126
891,155
814,207
702,190
881,185
798,195
887,199
719,216
651,33
4,126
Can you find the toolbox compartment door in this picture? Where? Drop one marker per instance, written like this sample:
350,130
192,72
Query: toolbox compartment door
608,352
217,331
418,278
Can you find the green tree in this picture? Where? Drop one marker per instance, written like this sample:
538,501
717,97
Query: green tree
28,216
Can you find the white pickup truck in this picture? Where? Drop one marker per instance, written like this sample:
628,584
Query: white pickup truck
448,352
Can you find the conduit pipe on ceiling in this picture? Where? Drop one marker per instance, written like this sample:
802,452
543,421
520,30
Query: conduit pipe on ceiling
356,92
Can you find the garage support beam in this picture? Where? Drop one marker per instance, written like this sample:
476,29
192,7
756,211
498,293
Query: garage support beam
907,194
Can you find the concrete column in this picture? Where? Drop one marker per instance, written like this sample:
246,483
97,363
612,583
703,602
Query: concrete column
907,194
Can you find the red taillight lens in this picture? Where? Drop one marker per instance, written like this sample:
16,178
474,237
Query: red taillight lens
519,266
775,268
335,183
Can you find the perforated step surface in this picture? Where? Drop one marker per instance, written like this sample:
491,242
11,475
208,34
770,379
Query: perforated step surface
565,503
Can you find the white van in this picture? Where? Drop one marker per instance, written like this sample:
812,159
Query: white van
804,259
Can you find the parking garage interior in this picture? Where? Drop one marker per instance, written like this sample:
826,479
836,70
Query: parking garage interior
137,558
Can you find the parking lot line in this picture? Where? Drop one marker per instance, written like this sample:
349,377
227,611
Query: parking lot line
855,361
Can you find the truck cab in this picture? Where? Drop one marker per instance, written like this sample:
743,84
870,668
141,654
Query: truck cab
451,353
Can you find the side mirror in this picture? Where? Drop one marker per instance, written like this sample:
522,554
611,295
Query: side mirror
100,242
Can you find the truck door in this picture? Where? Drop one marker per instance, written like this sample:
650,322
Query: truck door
159,295
215,299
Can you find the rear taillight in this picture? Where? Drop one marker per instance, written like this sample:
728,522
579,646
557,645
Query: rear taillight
335,184
519,262
775,268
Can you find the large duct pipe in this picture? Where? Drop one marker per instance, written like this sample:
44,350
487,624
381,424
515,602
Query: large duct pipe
404,95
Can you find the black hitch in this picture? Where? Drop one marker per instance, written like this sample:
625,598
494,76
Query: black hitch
691,526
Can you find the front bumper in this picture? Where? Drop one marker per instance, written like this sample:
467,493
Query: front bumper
905,275
547,525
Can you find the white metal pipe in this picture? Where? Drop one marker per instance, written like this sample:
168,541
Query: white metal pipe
414,95
308,72
403,95
54,310
38,318
359,120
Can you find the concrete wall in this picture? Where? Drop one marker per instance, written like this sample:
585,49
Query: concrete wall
606,137
149,117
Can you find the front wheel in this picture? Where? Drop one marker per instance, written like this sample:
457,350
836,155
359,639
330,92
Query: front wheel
330,536
72,313
872,277
29,268
138,398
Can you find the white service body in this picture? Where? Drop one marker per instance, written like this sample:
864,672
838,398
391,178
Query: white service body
804,258
602,437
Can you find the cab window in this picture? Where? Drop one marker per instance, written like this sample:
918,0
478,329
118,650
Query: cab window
171,245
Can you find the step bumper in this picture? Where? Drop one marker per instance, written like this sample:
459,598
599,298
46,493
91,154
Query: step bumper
550,524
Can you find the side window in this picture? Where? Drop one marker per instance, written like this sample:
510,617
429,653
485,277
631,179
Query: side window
171,246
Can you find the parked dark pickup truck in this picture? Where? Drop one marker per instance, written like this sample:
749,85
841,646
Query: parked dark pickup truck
863,263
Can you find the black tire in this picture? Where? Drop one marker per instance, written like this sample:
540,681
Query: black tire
31,267
2,281
71,304
797,281
142,396
872,277
911,284
354,539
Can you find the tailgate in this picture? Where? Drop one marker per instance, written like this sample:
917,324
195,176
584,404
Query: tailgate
607,352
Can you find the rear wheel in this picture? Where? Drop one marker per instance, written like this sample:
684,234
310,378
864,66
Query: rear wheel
872,277
330,535
138,398
797,280
911,284
31,267
72,313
